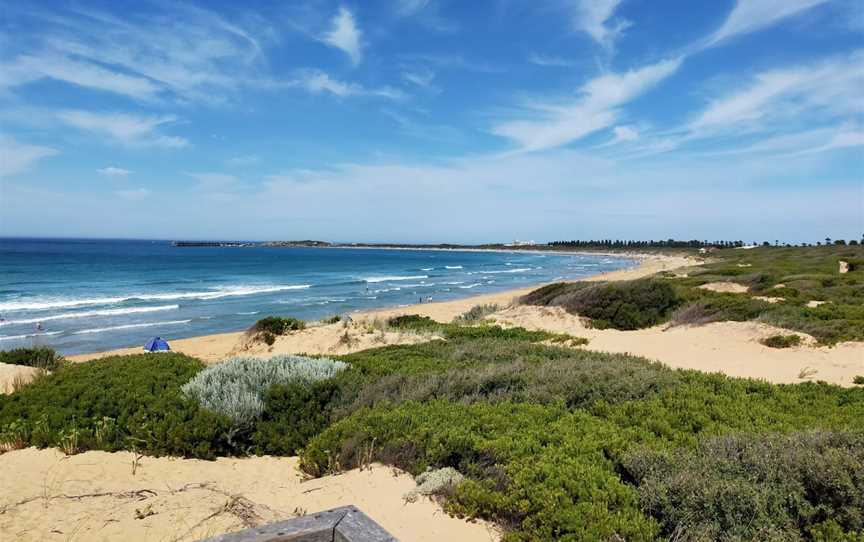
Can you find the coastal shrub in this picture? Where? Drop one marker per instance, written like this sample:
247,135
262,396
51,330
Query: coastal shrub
781,341
707,307
622,305
859,380
236,387
278,325
755,487
115,403
477,313
293,413
424,324
40,357
332,319
578,379
713,404
540,471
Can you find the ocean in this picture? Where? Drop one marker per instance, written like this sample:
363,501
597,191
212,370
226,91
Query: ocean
94,295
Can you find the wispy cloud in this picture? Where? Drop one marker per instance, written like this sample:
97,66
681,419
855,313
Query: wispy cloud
174,50
112,171
319,82
751,15
550,60
18,157
595,18
345,35
28,68
831,89
557,122
124,128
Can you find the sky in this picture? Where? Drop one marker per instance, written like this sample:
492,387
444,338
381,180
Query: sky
433,120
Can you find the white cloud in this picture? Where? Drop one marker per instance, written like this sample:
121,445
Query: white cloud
751,15
345,35
828,89
124,128
625,133
317,82
175,49
112,171
136,194
27,68
550,61
18,157
594,17
560,122
420,76
410,7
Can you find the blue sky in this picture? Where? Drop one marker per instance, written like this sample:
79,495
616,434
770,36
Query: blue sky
433,120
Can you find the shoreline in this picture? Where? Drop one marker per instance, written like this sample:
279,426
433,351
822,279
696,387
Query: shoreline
212,347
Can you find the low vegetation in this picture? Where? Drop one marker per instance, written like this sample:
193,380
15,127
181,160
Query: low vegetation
236,388
619,305
551,443
39,357
781,341
810,294
267,329
477,313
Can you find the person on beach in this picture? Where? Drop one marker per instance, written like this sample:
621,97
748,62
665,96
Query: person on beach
39,328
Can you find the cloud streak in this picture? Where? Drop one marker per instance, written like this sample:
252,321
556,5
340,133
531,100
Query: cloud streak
124,128
345,35
559,122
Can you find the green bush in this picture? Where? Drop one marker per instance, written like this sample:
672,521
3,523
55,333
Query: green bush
293,413
332,319
277,325
477,313
718,307
576,378
118,402
539,470
620,305
754,487
40,357
424,324
859,379
781,341
236,388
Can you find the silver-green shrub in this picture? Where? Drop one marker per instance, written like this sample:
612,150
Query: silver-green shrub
236,387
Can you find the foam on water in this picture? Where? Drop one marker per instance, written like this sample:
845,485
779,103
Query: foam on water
91,314
131,326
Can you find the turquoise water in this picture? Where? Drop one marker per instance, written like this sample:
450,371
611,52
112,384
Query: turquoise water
93,295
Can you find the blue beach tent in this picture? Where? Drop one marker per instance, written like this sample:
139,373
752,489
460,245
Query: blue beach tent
157,344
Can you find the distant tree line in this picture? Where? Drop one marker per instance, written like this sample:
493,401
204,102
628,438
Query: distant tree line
693,243
668,243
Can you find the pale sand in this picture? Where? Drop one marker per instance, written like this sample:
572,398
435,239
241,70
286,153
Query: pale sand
725,287
10,374
731,348
95,496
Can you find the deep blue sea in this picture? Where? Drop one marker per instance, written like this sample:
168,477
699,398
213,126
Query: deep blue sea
94,295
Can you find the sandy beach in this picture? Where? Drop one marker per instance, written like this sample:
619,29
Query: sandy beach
98,496
732,348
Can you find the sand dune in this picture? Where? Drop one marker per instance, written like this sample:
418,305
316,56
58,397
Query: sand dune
95,496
